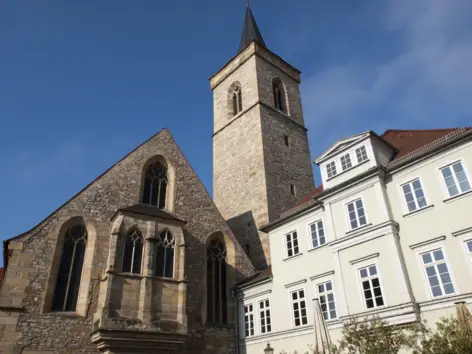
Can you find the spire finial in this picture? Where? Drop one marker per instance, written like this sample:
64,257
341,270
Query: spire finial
248,3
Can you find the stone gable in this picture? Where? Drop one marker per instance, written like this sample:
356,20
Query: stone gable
28,326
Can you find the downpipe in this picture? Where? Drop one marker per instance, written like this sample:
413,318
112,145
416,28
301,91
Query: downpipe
236,318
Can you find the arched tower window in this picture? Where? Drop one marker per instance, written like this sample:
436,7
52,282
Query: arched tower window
165,255
155,185
133,252
237,100
70,269
279,95
216,282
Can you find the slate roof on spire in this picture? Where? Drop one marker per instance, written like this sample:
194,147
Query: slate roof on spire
250,31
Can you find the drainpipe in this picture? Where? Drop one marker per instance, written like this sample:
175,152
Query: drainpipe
236,317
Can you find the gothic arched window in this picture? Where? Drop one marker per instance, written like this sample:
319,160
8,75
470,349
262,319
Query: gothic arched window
133,252
155,186
216,282
237,100
70,269
279,95
165,255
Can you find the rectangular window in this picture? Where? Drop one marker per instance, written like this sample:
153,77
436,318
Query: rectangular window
264,314
292,244
371,287
328,305
249,320
455,179
293,190
299,308
437,272
286,140
361,154
331,169
346,162
414,195
356,213
317,234
468,245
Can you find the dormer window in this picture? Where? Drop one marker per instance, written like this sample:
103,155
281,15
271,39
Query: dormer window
346,162
361,154
331,169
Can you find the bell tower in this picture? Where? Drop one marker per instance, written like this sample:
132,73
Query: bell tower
261,159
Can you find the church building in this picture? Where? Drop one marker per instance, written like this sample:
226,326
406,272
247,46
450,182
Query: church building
143,260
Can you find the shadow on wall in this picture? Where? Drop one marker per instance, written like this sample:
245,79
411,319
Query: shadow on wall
245,229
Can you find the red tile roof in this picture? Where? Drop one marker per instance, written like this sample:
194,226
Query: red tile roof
406,141
307,197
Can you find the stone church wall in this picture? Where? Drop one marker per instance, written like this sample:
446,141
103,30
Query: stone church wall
23,296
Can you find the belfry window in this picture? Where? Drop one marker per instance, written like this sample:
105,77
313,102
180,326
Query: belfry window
133,253
216,283
70,269
165,255
155,186
237,100
279,93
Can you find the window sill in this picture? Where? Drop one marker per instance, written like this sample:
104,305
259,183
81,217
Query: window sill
319,247
441,297
458,196
293,257
302,326
353,231
70,314
418,211
142,276
346,171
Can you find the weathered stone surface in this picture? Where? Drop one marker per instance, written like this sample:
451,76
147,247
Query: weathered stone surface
32,257
253,167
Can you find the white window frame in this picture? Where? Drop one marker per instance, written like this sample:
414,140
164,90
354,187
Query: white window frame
468,253
324,282
403,197
292,311
317,234
430,249
265,310
443,181
349,159
253,320
360,280
293,247
366,154
332,163
347,213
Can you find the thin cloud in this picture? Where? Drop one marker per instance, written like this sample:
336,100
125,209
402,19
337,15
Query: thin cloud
426,82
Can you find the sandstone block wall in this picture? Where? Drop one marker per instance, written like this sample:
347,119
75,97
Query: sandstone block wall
29,267
253,167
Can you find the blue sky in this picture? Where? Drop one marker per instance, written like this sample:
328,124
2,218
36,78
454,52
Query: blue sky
84,82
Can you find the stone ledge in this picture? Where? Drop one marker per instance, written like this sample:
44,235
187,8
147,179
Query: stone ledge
137,341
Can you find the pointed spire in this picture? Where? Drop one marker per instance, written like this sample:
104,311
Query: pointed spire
250,31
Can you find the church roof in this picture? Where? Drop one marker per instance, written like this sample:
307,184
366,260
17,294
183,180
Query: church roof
250,31
256,278
143,209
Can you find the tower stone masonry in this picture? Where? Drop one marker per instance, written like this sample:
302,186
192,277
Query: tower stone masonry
261,159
